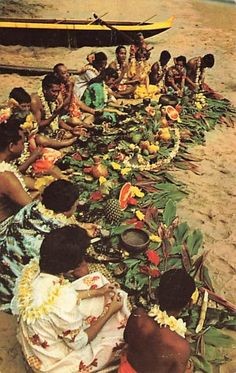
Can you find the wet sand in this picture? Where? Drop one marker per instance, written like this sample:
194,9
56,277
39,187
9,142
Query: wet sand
200,27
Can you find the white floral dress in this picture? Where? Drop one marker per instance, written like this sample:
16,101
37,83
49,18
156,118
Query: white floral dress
52,334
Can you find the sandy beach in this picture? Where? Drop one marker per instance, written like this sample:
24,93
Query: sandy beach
200,27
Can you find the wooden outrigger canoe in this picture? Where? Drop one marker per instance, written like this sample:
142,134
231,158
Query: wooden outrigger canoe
74,33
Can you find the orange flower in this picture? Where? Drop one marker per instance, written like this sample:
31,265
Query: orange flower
153,257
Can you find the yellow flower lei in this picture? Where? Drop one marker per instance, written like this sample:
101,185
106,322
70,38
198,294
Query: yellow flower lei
27,310
161,317
48,109
56,216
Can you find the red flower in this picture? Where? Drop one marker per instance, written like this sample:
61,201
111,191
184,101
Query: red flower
131,221
154,272
96,196
139,225
132,201
153,257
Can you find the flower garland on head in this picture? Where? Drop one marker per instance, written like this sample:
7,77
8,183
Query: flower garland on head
161,317
24,297
49,109
5,166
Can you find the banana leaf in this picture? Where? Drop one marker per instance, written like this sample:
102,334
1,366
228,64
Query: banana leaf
169,212
215,337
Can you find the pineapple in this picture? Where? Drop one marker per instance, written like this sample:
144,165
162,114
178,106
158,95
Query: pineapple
113,211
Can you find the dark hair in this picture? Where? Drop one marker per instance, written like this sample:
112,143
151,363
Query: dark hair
142,51
208,60
49,80
63,249
60,195
118,49
109,72
165,57
20,95
55,68
175,289
181,58
99,57
9,132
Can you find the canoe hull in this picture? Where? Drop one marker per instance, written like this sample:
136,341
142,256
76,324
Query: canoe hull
74,36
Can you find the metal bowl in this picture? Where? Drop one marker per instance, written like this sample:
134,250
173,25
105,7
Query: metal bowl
135,240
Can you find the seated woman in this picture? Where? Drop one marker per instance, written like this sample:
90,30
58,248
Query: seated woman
13,191
68,327
98,94
139,69
25,233
122,87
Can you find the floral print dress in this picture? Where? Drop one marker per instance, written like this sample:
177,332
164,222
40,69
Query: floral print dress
52,323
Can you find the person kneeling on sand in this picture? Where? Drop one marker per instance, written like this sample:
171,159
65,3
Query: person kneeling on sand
175,76
156,340
196,69
68,327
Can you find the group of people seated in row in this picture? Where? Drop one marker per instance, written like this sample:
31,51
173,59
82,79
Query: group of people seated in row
78,326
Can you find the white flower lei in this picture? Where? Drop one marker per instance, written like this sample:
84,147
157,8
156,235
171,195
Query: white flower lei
49,109
161,317
56,216
146,166
198,72
27,310
5,166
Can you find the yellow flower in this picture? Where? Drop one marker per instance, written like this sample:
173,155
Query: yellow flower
139,215
102,180
106,156
195,296
132,146
172,323
125,171
136,192
179,120
154,238
198,105
115,166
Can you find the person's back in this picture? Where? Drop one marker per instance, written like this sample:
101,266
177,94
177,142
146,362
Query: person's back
153,349
156,339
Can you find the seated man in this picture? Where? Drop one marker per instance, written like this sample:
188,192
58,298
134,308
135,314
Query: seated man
90,71
158,71
156,341
20,103
176,75
139,42
13,191
68,327
74,109
195,71
47,107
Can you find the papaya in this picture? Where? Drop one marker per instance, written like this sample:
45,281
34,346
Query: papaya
172,113
125,195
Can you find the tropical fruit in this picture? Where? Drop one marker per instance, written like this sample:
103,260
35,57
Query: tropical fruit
113,212
172,112
125,195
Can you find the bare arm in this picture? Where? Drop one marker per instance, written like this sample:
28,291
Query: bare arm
12,188
37,110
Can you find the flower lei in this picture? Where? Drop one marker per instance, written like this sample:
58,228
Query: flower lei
48,109
24,289
145,165
5,166
56,216
198,72
161,317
